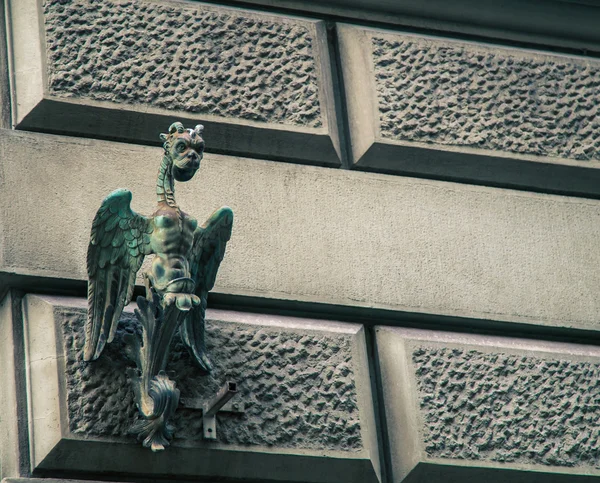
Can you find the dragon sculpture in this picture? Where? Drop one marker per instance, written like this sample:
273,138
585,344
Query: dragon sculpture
187,257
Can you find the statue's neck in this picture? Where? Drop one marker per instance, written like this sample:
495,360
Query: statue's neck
165,185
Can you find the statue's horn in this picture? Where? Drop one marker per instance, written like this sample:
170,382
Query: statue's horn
199,129
176,127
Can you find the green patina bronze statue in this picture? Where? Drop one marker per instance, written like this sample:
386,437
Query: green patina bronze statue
187,257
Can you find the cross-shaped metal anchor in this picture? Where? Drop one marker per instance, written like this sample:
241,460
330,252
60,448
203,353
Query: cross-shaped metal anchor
220,403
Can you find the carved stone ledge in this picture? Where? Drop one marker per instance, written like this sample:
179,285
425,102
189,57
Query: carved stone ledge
526,21
260,83
489,409
473,252
304,385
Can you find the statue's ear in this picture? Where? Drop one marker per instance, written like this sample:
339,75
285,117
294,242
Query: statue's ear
163,137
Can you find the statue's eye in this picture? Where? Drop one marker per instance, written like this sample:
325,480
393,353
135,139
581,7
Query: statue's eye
180,148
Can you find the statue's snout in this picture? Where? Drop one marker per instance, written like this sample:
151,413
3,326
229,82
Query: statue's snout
185,169
192,161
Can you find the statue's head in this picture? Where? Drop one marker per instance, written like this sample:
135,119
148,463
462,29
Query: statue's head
185,148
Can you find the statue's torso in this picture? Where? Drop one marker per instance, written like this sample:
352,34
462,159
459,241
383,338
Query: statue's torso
171,241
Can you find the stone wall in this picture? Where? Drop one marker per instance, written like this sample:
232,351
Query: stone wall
409,292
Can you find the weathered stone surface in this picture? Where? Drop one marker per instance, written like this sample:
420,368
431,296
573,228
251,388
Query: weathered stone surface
298,388
488,404
467,106
303,383
10,448
501,100
242,73
318,235
508,407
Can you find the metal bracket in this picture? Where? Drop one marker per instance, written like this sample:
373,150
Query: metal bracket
220,403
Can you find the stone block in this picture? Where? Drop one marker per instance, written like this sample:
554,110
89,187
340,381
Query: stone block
316,235
311,234
260,83
5,122
464,111
10,445
304,384
489,409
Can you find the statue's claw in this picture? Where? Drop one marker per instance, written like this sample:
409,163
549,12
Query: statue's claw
205,364
183,301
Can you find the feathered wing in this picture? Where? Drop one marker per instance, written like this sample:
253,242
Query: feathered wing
207,252
119,241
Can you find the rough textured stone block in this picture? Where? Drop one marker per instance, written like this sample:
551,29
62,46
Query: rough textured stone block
312,234
489,409
259,83
304,383
470,111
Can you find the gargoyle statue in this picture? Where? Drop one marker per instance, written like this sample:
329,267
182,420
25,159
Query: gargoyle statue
187,257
